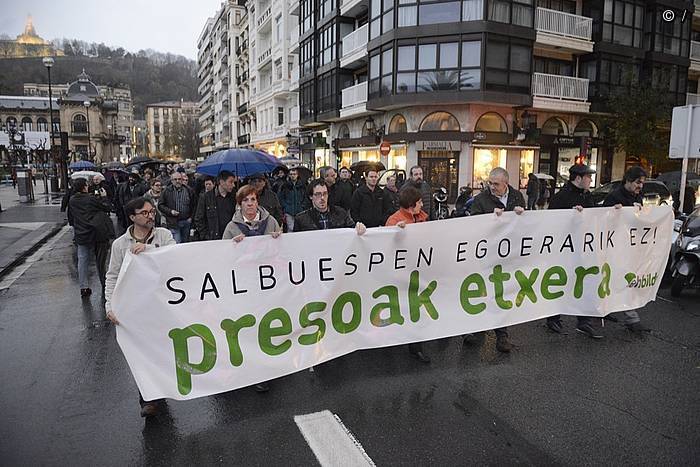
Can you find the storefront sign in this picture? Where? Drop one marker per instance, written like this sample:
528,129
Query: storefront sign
479,136
263,308
563,140
438,146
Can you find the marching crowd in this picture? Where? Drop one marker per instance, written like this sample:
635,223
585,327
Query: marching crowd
173,207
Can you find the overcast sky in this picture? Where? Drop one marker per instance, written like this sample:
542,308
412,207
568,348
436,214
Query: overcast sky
163,25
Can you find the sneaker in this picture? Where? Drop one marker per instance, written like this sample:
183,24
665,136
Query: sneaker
262,387
637,328
503,344
85,293
555,326
149,409
588,330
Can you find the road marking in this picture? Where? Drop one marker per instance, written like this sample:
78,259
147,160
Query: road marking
331,442
22,268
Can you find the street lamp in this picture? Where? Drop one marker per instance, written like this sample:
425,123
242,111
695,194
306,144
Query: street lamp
87,113
48,63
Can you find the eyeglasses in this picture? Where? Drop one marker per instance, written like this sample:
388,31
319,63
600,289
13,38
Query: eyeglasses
150,213
322,194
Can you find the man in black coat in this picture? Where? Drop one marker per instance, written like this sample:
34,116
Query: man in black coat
266,197
92,230
216,208
629,193
323,216
343,189
575,194
132,188
498,197
369,204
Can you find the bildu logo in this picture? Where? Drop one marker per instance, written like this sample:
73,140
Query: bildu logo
640,282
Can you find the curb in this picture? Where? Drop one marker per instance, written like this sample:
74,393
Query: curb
29,251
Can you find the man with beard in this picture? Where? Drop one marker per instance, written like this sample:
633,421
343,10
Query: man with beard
629,193
141,236
177,204
416,181
322,215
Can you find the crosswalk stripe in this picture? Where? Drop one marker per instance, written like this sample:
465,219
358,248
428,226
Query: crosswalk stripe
331,442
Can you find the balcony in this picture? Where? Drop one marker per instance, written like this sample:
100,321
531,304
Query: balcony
353,8
244,139
564,31
243,108
694,57
264,18
560,93
692,99
294,7
355,49
354,101
264,57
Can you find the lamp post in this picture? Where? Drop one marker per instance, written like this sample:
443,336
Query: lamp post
110,135
48,63
87,113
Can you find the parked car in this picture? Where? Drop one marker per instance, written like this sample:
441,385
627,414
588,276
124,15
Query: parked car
654,192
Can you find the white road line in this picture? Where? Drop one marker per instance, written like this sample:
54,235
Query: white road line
331,442
22,268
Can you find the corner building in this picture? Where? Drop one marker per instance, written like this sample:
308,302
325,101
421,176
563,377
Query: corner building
462,86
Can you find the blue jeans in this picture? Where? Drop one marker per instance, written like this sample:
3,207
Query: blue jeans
182,233
84,253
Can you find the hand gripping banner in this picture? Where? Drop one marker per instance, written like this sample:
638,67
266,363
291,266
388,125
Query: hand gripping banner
208,317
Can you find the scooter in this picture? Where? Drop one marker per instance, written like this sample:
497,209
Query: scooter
686,259
463,202
440,209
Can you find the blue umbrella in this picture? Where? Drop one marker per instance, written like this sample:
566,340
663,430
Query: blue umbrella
81,165
242,162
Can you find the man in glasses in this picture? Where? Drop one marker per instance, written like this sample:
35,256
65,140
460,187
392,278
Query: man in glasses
322,215
177,204
141,236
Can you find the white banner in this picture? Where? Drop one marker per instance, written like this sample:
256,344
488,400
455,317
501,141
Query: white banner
204,318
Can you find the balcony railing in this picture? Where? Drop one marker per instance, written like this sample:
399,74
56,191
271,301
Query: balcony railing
355,41
559,87
692,99
265,55
695,50
244,139
564,24
355,96
264,16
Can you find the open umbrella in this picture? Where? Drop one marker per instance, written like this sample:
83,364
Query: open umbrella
364,166
86,174
139,160
113,165
242,162
81,165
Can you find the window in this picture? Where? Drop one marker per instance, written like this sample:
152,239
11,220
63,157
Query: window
280,116
553,66
491,121
586,128
27,124
344,133
278,28
326,45
422,12
508,66
398,124
79,124
671,37
306,10
554,126
381,67
567,6
440,121
485,160
56,124
325,7
623,22
527,166
328,95
381,17
306,57
442,12
518,12
42,124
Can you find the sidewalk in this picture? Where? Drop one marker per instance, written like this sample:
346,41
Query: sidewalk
24,226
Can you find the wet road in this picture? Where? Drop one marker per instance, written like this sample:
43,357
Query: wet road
68,395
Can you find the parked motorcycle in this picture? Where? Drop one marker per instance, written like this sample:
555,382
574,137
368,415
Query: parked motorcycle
686,259
463,202
440,208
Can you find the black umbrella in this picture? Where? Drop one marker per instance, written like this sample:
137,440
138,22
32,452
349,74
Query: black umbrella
113,165
364,166
140,160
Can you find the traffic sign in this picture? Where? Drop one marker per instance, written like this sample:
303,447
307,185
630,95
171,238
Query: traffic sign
385,148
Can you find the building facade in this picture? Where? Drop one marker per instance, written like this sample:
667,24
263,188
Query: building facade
247,64
460,87
120,127
167,124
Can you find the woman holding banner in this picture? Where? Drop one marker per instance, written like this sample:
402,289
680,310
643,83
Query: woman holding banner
251,220
410,211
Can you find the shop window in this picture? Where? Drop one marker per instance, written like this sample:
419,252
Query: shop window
527,166
398,124
397,158
344,132
485,160
440,121
586,128
493,122
345,159
554,126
